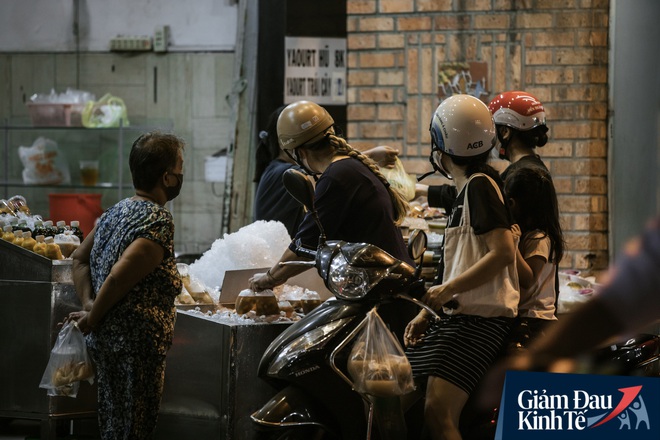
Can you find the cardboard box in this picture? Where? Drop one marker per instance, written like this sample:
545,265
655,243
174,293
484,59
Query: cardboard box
237,280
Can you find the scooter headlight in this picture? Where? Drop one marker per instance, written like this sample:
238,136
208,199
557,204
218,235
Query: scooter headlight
350,282
312,340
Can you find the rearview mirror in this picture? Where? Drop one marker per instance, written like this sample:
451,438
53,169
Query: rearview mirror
300,188
417,243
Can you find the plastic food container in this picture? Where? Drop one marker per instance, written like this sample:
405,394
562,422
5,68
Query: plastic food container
46,114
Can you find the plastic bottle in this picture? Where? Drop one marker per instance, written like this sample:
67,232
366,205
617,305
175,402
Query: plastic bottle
23,226
18,237
28,241
52,249
50,230
61,227
75,227
38,228
5,208
8,234
40,245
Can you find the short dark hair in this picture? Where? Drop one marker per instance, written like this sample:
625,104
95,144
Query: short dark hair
152,154
269,146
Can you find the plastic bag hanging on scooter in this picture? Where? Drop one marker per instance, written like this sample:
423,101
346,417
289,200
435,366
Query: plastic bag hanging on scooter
377,363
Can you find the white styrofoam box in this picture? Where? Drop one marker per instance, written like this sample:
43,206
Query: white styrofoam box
215,168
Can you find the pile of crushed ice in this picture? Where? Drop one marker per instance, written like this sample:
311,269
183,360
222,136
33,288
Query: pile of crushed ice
254,246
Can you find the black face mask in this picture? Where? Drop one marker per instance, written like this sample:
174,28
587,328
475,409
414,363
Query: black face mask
173,191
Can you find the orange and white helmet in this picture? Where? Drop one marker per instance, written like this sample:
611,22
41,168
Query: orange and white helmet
519,110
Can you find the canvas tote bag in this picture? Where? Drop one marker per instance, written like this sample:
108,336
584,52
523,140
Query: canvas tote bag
498,296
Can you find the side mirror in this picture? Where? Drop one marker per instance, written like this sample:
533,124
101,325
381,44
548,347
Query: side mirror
417,243
300,188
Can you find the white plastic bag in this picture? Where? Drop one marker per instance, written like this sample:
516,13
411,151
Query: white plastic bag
108,111
69,363
400,179
377,362
67,243
44,163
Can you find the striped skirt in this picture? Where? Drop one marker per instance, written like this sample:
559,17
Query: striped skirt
459,349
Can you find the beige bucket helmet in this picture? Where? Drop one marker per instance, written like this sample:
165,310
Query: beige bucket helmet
302,122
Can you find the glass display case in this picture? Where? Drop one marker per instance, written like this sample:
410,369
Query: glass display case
74,146
37,293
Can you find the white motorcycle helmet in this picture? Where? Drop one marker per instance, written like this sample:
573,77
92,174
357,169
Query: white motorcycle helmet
462,126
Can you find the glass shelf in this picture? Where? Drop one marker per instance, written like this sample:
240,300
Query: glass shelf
110,146
100,185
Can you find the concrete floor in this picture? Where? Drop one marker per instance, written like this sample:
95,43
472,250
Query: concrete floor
19,429
22,429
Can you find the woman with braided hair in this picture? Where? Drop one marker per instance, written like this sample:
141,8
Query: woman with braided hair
272,201
353,199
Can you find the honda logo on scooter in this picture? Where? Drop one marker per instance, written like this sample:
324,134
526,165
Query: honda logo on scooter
306,371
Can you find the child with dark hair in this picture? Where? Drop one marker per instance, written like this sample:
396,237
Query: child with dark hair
533,205
520,121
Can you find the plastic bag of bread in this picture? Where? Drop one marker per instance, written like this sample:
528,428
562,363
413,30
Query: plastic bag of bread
377,363
400,179
193,286
184,297
263,303
69,363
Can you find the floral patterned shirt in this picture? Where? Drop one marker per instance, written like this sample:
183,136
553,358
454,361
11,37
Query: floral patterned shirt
142,321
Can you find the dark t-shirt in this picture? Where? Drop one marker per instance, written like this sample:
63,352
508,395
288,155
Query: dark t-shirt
443,196
353,205
525,162
487,212
273,202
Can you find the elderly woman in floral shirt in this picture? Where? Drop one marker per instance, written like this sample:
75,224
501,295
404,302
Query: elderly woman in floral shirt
125,275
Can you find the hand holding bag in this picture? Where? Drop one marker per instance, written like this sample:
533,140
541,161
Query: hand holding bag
377,362
69,363
498,296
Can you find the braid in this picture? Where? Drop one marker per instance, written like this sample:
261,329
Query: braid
398,200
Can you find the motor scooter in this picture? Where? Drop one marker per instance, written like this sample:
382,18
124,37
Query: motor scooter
308,361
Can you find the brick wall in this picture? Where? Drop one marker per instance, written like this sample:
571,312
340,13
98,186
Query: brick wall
556,50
